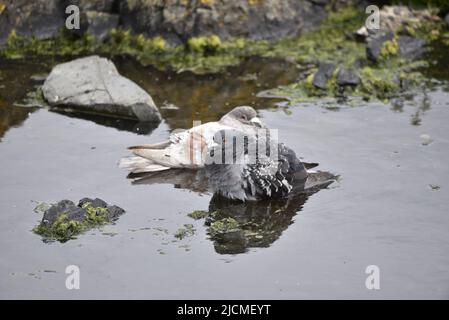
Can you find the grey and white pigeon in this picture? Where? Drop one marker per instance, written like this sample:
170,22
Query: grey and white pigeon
257,168
188,149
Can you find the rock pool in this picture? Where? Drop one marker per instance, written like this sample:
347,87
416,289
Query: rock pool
390,207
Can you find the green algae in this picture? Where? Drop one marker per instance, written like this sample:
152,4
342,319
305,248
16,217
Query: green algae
389,48
198,214
224,225
185,231
64,229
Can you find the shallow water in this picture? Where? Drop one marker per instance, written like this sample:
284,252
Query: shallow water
388,209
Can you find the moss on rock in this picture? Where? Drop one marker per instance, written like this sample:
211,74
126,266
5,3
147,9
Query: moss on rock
64,220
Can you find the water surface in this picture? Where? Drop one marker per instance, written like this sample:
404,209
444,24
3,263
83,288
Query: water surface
389,208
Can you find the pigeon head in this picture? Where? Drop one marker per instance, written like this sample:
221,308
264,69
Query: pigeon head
243,115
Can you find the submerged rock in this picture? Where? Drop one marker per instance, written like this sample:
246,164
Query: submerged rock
93,85
324,73
64,219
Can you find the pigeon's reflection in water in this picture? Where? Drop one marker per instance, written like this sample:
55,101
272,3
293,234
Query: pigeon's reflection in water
234,226
258,223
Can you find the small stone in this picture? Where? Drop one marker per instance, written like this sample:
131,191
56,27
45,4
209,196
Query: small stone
324,73
348,77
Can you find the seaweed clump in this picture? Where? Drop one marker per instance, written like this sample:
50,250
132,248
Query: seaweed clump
185,231
64,220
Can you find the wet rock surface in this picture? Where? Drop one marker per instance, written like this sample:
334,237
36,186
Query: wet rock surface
93,85
65,219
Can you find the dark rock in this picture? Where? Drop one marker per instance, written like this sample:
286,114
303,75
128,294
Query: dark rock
84,201
410,47
93,85
96,5
39,18
96,203
446,19
177,21
114,212
76,213
320,2
324,73
348,77
56,210
374,45
99,24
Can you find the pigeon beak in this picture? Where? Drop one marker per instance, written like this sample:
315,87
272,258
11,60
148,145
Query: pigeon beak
256,121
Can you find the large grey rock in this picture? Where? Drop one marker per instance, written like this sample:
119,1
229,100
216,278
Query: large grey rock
93,85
